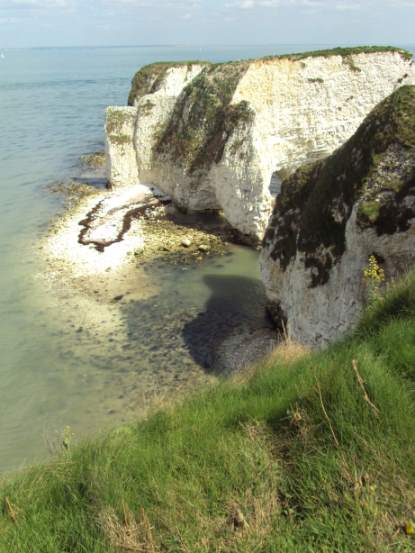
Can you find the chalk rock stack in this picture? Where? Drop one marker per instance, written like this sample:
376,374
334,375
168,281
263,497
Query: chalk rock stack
213,137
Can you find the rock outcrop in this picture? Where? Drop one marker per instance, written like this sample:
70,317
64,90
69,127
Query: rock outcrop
333,214
213,137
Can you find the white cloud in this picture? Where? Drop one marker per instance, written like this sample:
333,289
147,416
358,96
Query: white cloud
252,4
342,5
32,4
151,4
347,7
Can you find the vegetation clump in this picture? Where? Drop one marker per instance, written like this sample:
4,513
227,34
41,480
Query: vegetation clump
374,276
204,118
150,77
313,453
115,121
374,169
344,52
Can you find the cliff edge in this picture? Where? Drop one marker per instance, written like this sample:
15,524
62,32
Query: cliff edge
223,137
331,216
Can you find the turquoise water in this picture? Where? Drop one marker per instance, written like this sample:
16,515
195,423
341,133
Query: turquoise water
52,376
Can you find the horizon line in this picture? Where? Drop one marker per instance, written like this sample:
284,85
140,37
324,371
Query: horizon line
199,45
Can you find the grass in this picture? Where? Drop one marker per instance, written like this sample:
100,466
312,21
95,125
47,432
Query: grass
346,52
314,453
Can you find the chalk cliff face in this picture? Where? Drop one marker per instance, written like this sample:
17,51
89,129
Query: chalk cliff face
213,136
332,215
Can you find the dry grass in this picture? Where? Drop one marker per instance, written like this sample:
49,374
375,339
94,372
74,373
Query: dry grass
287,352
133,534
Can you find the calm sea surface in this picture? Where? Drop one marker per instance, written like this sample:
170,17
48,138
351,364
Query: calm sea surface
52,377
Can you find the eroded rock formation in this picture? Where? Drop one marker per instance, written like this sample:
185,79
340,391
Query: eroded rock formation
213,136
333,214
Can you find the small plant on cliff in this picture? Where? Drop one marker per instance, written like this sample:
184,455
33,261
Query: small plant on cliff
374,277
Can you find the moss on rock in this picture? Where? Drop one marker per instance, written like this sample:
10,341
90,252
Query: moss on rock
150,77
115,122
374,169
203,118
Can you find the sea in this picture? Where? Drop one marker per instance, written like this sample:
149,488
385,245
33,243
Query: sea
56,381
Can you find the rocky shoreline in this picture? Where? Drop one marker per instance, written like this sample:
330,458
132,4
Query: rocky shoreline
167,231
111,251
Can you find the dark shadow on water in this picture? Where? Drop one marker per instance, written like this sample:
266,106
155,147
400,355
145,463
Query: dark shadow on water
173,333
237,305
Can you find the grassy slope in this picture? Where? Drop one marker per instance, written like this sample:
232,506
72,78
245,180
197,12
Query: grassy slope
311,465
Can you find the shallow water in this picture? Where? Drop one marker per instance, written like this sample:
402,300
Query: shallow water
68,359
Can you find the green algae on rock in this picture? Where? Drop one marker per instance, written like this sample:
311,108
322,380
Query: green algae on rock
150,77
94,160
203,118
331,215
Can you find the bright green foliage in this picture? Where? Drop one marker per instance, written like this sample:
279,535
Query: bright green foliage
374,276
313,456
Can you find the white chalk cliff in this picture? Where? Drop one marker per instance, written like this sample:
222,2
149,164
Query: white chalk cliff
332,215
212,136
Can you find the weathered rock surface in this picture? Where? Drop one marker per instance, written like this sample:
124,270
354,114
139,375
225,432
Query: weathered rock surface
333,214
111,218
213,136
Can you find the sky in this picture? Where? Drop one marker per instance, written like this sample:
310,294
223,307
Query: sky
31,23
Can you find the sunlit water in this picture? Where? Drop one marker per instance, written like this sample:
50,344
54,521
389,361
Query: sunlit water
65,359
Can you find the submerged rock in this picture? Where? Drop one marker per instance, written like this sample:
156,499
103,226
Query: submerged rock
95,160
331,216
223,137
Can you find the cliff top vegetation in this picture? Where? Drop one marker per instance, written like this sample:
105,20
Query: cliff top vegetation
148,78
